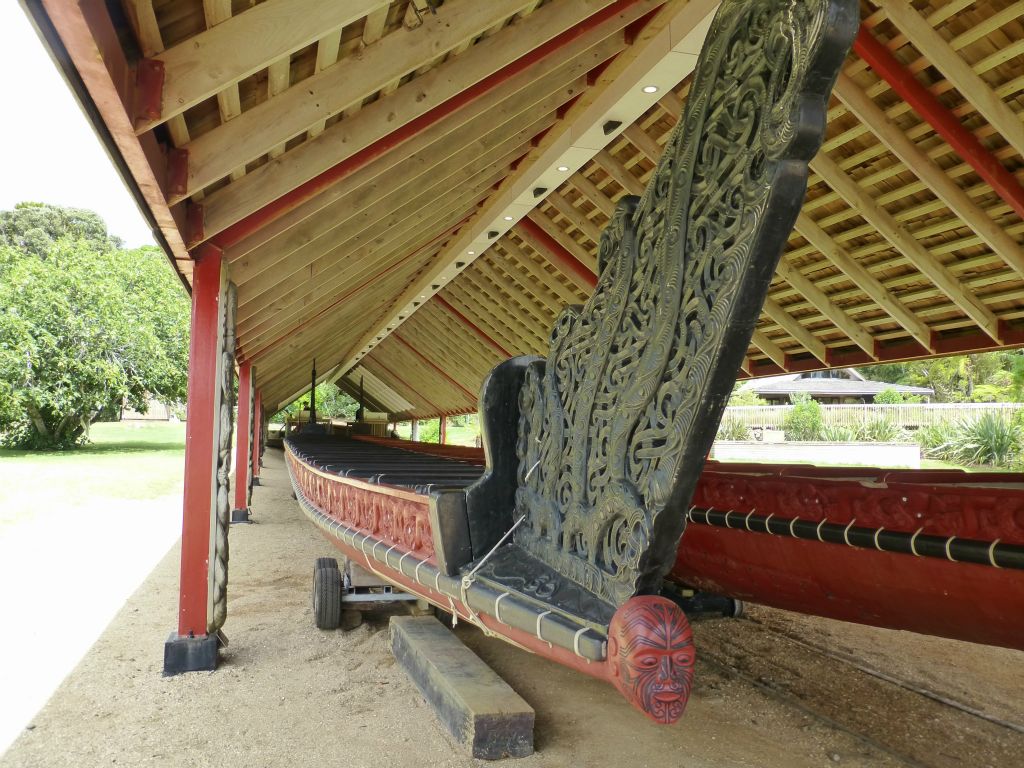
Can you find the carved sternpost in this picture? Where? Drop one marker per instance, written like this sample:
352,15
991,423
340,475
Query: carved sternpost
616,423
221,519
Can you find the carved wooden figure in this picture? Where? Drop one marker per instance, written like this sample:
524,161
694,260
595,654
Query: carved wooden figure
593,453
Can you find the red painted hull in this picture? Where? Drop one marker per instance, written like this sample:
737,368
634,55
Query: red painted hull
978,603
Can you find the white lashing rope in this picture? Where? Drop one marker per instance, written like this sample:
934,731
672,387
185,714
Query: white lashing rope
467,580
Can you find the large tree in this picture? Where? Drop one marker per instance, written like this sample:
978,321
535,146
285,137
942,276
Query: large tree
84,326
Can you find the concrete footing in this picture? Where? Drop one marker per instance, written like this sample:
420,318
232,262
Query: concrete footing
190,654
240,515
479,709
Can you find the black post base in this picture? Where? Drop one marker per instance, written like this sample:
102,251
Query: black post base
240,515
256,480
190,654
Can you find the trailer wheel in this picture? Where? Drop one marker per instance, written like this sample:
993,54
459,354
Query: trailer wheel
327,598
325,562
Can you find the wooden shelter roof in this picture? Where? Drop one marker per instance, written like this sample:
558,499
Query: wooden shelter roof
410,191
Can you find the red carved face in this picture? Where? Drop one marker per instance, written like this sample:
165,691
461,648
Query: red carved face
651,653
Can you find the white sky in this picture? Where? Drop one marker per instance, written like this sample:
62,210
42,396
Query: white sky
51,154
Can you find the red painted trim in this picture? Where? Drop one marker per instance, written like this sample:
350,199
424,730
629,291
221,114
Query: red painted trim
432,364
254,465
472,326
149,89
287,202
177,171
411,390
975,341
242,448
559,256
941,118
200,459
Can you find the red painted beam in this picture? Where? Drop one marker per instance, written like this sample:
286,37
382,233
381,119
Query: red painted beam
411,390
433,365
287,202
199,496
560,257
472,326
242,447
941,118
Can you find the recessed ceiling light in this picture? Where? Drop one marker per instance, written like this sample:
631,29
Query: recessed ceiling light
509,218
471,253
563,168
650,89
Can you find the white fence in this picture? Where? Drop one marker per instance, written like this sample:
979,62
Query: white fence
910,415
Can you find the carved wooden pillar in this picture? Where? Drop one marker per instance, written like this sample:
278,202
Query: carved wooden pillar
206,500
443,431
415,434
243,447
259,436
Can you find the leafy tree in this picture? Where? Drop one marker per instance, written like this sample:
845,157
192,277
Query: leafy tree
35,227
746,397
331,403
889,396
84,326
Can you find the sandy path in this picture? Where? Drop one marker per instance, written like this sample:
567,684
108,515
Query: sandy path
290,695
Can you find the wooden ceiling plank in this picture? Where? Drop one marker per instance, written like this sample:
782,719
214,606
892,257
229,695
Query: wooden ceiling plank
769,348
643,141
589,190
932,175
558,234
347,140
863,279
327,49
330,91
792,326
542,279
301,305
905,242
575,217
380,199
533,303
319,255
204,65
824,304
431,150
484,321
619,173
930,43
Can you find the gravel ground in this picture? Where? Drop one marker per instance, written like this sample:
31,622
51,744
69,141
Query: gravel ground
287,694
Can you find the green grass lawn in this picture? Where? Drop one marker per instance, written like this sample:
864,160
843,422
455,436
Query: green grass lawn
122,461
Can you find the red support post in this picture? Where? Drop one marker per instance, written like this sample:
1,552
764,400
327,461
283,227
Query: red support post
190,648
443,431
941,118
242,448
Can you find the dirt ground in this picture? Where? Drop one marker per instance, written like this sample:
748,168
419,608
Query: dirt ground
773,689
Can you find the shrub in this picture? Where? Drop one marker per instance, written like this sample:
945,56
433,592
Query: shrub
882,429
889,396
991,440
938,441
804,421
835,433
733,429
746,397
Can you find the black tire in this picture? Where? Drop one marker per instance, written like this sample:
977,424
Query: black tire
325,562
327,598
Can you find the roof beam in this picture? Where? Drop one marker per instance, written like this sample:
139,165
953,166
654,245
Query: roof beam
472,326
946,123
203,65
823,304
330,91
864,280
770,348
566,262
792,326
303,182
667,48
903,241
941,56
